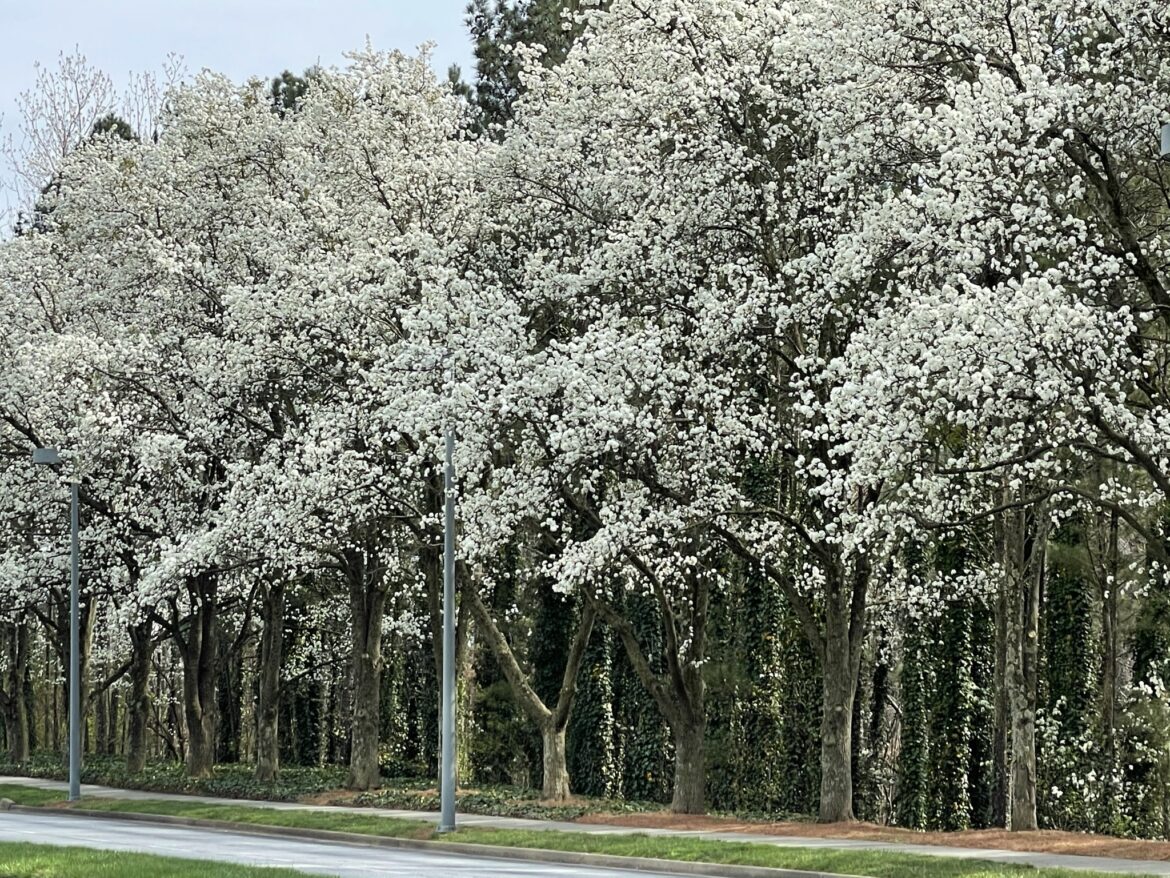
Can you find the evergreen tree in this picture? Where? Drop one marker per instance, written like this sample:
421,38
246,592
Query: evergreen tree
288,89
497,26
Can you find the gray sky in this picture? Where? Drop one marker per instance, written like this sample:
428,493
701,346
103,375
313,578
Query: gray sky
240,39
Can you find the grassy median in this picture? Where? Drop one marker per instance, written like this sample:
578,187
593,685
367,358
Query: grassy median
46,861
875,864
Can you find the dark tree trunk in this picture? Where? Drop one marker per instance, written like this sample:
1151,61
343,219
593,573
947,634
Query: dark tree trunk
138,707
999,759
690,768
268,708
367,598
838,688
112,719
12,700
1024,543
197,651
836,637
101,720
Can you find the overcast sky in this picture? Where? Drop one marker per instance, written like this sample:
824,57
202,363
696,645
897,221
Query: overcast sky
240,39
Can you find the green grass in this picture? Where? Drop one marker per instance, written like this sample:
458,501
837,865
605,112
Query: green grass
44,861
869,863
365,824
29,795
876,864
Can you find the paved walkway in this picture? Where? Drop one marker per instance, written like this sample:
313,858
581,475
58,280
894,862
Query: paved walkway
1064,861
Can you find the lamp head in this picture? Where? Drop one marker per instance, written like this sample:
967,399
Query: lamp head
46,457
1165,152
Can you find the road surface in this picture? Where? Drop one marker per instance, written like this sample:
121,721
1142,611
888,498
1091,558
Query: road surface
317,858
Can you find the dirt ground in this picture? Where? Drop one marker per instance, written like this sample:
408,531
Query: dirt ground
1044,841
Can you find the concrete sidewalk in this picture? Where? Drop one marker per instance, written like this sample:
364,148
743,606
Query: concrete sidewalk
1063,861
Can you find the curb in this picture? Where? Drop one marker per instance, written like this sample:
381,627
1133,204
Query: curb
528,855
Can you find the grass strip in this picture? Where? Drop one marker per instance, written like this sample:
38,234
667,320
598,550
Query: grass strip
30,795
20,860
878,864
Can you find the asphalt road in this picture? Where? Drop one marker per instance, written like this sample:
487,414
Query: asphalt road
317,858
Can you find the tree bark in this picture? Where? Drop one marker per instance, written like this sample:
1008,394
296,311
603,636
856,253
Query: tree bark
555,783
838,688
101,720
138,707
268,709
367,598
690,767
846,591
197,651
12,700
1024,542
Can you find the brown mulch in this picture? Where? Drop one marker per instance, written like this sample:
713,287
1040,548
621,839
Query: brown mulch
1048,841
328,797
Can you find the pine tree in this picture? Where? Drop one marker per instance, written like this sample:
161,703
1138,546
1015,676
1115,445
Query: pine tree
498,25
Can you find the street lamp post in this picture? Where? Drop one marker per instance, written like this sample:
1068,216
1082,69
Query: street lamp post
50,457
1165,141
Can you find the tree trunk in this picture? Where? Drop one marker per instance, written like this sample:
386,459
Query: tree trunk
552,723
999,744
112,727
838,688
555,787
681,696
12,700
1025,565
367,602
268,709
138,707
101,706
690,768
197,651
199,710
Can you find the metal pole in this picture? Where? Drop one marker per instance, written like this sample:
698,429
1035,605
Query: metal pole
447,769
74,653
